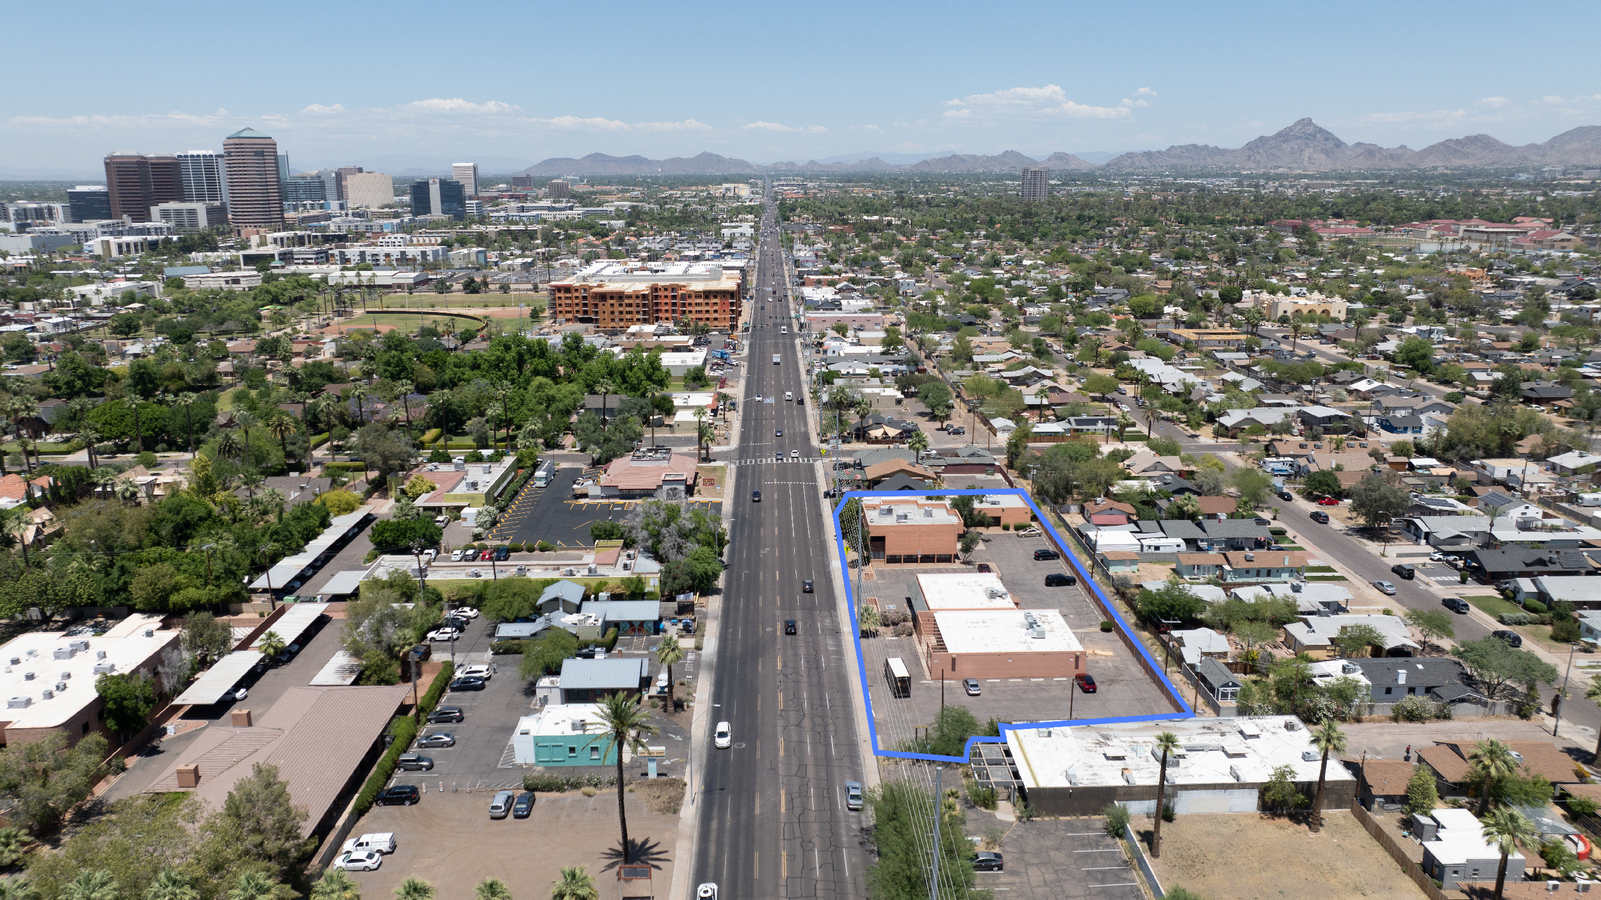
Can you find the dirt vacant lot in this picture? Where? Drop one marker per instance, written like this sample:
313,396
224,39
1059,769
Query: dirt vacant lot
1243,856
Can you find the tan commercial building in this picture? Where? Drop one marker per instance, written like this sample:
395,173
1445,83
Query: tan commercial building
912,530
969,626
369,190
1274,305
615,296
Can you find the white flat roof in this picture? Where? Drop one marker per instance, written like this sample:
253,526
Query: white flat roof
341,671
1005,631
1460,838
1214,751
219,679
964,590
39,661
1001,500
564,719
290,567
347,582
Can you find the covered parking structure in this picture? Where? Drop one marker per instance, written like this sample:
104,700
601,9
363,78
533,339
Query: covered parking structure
295,623
217,681
292,568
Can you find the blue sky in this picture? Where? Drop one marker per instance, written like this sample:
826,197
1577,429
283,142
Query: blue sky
348,83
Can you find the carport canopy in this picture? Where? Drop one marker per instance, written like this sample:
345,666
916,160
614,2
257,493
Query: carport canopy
219,679
293,624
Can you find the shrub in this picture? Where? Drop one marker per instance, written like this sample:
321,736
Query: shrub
403,729
544,546
1006,526
1583,806
1117,819
1534,606
506,648
437,689
981,795
430,436
1412,709
555,784
1565,632
1106,627
1516,618
1168,813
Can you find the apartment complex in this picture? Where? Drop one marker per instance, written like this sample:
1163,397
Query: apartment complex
135,182
614,296
251,166
467,174
1036,184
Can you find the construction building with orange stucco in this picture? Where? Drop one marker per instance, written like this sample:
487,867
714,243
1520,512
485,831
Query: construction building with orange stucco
615,295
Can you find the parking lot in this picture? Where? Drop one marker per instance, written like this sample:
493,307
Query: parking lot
1123,688
1056,858
552,514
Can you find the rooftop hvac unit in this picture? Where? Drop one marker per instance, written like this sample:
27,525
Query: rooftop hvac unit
1250,557
47,694
1292,725
100,654
81,645
150,632
32,653
64,653
27,676
19,703
1037,633
66,676
61,686
1400,676
1297,586
1128,776
1349,668
488,468
1309,756
928,513
105,668
1234,772
16,660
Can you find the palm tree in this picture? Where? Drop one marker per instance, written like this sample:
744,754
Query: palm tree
335,885
918,444
492,889
18,887
171,885
403,391
244,419
1167,742
1124,423
1489,762
15,522
358,395
863,409
1505,829
271,644
253,886
574,884
627,726
669,654
105,478
1592,692
251,481
282,425
700,423
606,388
13,843
414,888
228,445
187,404
91,884
1328,738
90,437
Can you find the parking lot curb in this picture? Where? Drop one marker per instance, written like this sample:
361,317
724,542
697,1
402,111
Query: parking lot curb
864,740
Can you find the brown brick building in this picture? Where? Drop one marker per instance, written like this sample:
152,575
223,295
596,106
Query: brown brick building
912,530
614,296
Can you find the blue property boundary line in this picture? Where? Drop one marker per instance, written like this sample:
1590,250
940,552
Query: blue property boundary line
1084,578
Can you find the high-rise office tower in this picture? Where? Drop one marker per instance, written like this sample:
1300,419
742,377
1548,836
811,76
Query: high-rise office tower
558,190
135,182
204,177
368,190
439,197
467,174
1036,184
88,203
304,189
254,197
344,173
522,181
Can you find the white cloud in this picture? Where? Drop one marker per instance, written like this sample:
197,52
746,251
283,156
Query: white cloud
1045,102
1145,92
1552,98
775,127
1496,102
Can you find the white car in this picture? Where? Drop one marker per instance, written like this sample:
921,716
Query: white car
724,736
444,634
467,611
359,861
758,398
1438,557
474,672
455,555
707,891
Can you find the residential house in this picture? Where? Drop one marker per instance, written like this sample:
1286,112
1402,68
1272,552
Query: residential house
1222,684
1120,562
1315,636
1531,529
877,474
1399,423
591,680
1503,563
1106,511
1574,462
1311,598
1381,782
1146,464
1545,394
1447,532
1245,567
1454,777
1454,850
1436,678
1329,419
1200,566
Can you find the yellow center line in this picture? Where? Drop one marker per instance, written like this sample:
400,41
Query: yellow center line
780,703
780,748
758,803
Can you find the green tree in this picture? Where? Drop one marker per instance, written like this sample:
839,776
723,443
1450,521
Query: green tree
1488,762
205,638
1017,443
1327,739
1253,485
414,888
936,395
1354,639
91,884
271,644
1376,502
1173,601
868,622
1100,384
1322,483
902,813
574,884
1421,795
1504,830
544,654
669,654
492,889
171,885
1279,793
626,726
263,819
129,697
1167,742
45,778
967,543
1416,353
1431,624
253,886
335,884
1494,665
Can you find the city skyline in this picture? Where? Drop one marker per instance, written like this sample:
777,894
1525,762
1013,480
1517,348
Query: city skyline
1186,76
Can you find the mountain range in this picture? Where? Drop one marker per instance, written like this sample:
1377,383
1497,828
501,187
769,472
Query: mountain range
1304,146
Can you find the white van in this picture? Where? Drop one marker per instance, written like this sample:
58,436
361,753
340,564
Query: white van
789,396
383,842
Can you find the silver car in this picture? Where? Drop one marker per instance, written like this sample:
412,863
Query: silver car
1385,587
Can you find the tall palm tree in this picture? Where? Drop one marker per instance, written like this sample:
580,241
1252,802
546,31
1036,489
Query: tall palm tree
105,478
1504,830
335,885
253,886
187,404
627,726
228,444
16,522
918,444
669,654
574,884
246,420
403,391
700,425
1327,738
1592,692
492,889
136,397
1167,742
171,885
606,387
1489,762
414,888
91,884
863,409
282,425
1124,423
358,395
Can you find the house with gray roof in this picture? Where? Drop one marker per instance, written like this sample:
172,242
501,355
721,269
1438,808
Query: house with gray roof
563,596
1234,534
1437,678
591,680
1447,532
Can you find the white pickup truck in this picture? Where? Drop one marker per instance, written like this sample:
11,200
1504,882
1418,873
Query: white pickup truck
775,359
383,842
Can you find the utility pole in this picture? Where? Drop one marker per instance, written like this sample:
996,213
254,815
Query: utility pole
939,810
1562,694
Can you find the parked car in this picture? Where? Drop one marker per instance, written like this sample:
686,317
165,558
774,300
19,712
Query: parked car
398,795
971,686
440,739
1085,682
853,795
359,861
988,861
1404,570
467,684
1385,587
502,553
445,715
1328,501
478,671
1437,556
956,429
723,738
1512,638
455,555
985,567
486,556
1456,605
382,842
1046,554
414,762
1057,579
500,806
1320,517
444,634
523,806
789,626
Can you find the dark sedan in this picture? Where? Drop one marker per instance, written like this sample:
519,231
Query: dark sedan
471,683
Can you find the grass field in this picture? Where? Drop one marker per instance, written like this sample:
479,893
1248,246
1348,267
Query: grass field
405,322
1494,605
